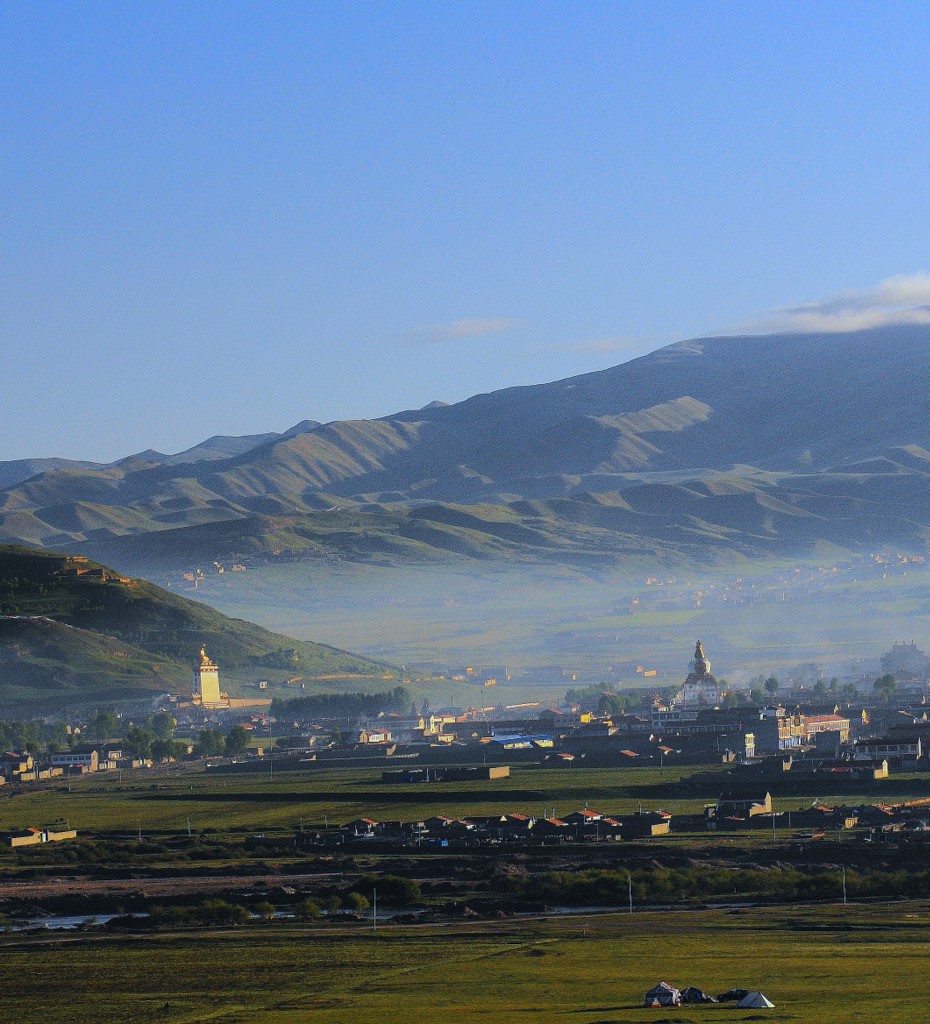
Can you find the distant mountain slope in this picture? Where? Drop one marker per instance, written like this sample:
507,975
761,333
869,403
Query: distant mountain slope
722,519
220,446
821,414
17,470
72,631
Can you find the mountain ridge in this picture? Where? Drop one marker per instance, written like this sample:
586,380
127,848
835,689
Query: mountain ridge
800,419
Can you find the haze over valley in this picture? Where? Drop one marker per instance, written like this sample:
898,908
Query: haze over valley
767,492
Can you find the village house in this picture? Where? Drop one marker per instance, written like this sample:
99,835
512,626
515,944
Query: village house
776,729
13,764
815,724
891,748
77,761
36,836
739,805
645,824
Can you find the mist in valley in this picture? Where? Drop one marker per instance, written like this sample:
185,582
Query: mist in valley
552,627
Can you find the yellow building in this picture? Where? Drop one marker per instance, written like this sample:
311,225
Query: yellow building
207,683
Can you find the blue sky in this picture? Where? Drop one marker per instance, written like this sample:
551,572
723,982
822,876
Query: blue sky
224,218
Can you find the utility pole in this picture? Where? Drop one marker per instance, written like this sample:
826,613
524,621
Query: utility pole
188,827
270,751
844,885
374,913
629,879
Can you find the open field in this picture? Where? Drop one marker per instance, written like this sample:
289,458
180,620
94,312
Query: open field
162,802
818,962
825,965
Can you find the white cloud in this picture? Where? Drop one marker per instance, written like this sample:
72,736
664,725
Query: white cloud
903,299
458,329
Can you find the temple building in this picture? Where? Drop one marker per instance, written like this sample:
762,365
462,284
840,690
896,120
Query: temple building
908,664
701,689
207,684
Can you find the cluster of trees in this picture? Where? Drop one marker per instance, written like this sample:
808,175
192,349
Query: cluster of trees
348,707
212,742
35,736
765,688
222,912
604,699
151,738
885,687
210,912
669,885
155,737
310,909
393,890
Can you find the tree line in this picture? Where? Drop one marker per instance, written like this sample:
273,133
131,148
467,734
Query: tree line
348,707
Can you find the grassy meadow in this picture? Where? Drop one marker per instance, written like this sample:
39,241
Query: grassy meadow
818,963
161,802
821,966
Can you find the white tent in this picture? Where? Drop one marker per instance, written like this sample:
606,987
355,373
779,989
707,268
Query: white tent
755,1001
662,995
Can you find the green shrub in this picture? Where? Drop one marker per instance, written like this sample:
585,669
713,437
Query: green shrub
355,901
309,910
393,890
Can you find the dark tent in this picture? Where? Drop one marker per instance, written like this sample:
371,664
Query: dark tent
695,995
733,993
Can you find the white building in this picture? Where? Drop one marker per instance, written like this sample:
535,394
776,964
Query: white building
701,689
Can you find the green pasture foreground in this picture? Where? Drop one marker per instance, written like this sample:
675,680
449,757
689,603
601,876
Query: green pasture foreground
156,801
819,966
160,801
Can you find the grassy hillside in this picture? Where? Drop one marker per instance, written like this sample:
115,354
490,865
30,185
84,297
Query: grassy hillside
45,664
813,420
73,630
725,518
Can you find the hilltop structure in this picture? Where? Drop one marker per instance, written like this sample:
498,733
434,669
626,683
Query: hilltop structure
207,684
701,689
908,664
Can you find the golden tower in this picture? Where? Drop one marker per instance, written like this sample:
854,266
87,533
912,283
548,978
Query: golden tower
207,683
